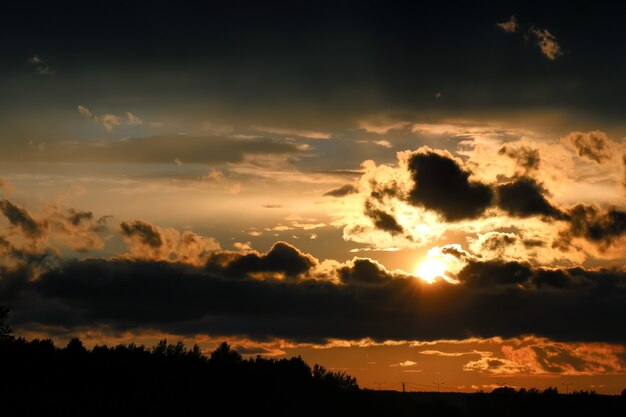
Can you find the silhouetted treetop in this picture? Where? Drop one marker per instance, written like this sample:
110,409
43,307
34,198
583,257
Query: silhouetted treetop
5,329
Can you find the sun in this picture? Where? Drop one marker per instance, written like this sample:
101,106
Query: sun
430,269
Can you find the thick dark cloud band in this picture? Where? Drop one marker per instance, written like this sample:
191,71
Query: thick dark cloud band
239,295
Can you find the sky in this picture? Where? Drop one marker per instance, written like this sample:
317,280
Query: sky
403,192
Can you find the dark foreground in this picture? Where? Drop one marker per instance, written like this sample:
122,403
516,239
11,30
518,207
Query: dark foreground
36,378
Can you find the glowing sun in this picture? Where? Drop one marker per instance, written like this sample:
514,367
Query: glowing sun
430,269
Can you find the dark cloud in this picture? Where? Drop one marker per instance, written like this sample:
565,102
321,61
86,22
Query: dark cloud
200,73
443,186
380,191
226,297
527,158
383,220
498,241
163,149
342,191
76,216
31,257
594,145
533,243
596,225
19,217
282,258
524,197
489,274
364,271
147,233
455,251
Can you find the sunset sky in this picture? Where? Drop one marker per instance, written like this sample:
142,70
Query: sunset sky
405,193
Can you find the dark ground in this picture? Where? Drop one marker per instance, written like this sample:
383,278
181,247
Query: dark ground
37,378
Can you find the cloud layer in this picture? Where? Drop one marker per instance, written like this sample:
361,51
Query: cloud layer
288,294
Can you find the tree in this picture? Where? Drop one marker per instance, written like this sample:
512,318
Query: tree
224,356
5,329
75,347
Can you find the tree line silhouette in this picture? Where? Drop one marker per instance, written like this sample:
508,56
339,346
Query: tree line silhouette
38,378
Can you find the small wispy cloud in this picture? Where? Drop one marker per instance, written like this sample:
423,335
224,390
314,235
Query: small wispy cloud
384,143
132,119
293,132
542,37
41,67
109,121
404,364
510,25
450,354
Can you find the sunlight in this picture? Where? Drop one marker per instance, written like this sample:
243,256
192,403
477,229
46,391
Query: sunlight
430,269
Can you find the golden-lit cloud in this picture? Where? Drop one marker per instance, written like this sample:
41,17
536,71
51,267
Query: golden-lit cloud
150,242
537,356
293,132
381,124
404,364
512,200
546,42
510,25
108,121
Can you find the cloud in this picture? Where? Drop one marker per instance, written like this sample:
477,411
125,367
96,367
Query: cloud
35,59
39,237
593,145
527,158
382,124
443,186
361,270
77,216
163,149
147,241
281,261
384,143
242,246
382,220
85,112
404,364
510,25
596,225
623,179
288,294
524,197
109,121
431,192
546,42
5,186
146,233
342,191
40,65
132,119
448,354
19,217
293,132
539,356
